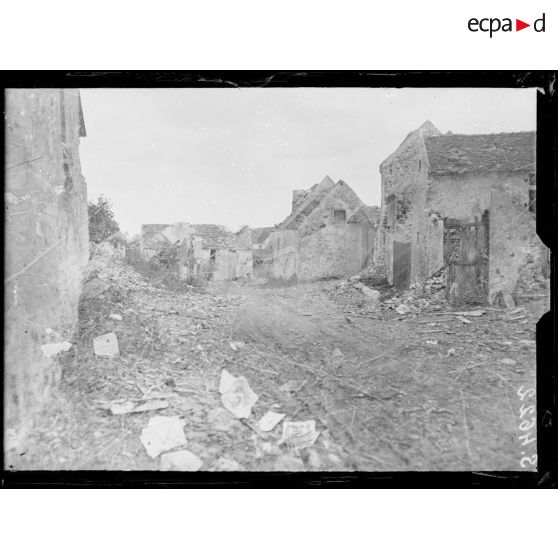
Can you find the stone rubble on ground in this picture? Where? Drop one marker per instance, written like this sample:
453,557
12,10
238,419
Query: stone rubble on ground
106,346
162,434
128,407
299,435
402,309
53,349
238,398
508,361
182,460
270,420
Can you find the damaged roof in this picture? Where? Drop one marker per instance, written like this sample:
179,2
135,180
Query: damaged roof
216,236
260,234
459,153
213,236
307,203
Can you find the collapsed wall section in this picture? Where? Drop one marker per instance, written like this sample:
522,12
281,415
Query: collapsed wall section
46,243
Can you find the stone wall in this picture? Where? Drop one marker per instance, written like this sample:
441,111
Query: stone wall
285,254
513,238
195,262
404,183
46,243
332,251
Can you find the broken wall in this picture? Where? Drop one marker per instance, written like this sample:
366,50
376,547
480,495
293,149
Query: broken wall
46,243
285,254
512,227
404,183
196,262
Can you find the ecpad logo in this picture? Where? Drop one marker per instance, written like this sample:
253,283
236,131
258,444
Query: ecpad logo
493,25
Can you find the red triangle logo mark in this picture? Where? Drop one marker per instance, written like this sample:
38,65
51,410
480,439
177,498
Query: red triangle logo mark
519,25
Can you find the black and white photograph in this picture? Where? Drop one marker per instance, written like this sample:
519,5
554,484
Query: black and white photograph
272,279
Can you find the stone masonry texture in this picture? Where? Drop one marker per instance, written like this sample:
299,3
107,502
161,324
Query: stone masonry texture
46,243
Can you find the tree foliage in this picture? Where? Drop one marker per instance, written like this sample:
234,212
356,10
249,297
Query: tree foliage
101,219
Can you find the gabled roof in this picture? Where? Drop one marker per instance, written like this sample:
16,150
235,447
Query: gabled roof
260,234
307,203
426,130
458,153
215,236
369,214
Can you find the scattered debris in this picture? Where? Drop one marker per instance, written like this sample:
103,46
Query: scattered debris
227,380
299,435
127,407
476,313
508,361
372,295
52,349
182,460
516,311
106,346
293,386
221,420
270,420
163,434
227,464
289,463
238,397
94,287
528,342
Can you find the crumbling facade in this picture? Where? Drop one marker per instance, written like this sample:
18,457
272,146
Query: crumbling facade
329,233
463,203
46,244
204,252
262,252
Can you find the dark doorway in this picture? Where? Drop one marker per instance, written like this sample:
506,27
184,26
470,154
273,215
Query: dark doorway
339,216
401,265
466,255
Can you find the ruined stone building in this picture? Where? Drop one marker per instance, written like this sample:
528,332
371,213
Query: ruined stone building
46,244
329,233
463,203
262,252
261,237
114,246
203,252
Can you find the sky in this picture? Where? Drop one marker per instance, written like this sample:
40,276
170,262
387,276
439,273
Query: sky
234,156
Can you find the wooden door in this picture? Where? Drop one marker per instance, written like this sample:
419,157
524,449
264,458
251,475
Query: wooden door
466,255
401,265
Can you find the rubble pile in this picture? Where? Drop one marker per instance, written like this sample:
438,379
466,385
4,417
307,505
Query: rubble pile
167,255
428,295
531,280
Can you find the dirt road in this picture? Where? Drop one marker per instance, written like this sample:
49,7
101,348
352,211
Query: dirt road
387,392
393,392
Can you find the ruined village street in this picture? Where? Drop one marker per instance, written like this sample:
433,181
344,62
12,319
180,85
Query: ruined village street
387,392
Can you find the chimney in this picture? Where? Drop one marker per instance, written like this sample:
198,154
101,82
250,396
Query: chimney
297,195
